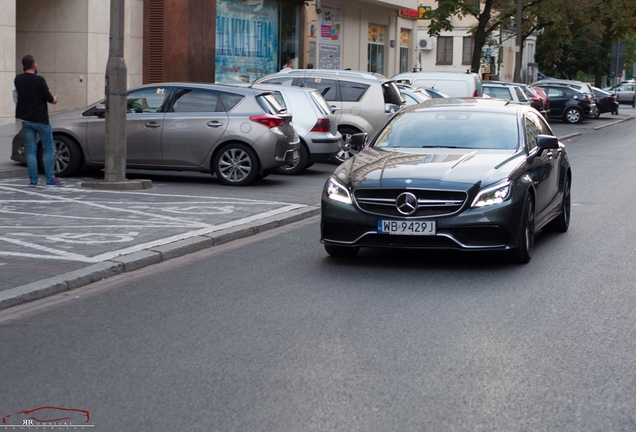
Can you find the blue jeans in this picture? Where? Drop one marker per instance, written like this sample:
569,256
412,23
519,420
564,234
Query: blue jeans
31,131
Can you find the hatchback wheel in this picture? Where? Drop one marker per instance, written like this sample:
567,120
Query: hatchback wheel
298,165
573,115
236,164
525,241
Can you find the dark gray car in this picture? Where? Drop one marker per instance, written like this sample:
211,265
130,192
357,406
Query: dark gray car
239,134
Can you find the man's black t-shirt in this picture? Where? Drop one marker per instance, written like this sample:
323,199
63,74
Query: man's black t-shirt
33,95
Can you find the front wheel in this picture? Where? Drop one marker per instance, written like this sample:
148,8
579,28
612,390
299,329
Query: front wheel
562,222
573,115
345,151
525,240
236,164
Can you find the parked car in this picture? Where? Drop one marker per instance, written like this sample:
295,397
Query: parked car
413,95
239,134
436,94
625,93
535,99
581,86
504,90
567,103
544,98
314,121
605,102
455,84
364,101
461,174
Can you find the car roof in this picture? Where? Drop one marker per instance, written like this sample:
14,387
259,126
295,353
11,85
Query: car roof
215,86
473,104
337,72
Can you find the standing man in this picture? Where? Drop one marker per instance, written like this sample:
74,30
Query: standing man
32,109
289,65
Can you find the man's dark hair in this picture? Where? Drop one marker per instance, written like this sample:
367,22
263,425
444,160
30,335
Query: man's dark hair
27,62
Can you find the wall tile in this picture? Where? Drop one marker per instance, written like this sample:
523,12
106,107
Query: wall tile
71,15
71,92
35,15
99,16
72,51
39,44
98,45
7,17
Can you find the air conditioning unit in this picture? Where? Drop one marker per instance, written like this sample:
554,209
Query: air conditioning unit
426,44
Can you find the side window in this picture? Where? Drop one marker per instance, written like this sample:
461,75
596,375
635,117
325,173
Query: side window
520,94
146,100
230,100
196,100
287,80
410,100
553,92
498,92
352,91
534,127
328,88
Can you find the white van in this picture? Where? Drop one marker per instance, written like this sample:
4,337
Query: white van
455,84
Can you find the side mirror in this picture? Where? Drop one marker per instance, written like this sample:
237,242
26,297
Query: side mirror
100,110
358,141
547,142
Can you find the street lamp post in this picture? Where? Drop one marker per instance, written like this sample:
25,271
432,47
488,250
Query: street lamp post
517,77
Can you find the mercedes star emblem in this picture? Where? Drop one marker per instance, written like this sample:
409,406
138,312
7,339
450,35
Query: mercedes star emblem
406,203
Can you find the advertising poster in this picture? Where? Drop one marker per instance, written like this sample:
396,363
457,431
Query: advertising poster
330,24
329,56
246,40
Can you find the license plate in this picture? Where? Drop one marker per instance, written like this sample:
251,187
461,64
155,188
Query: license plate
407,227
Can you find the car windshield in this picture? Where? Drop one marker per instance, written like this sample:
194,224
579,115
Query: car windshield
450,129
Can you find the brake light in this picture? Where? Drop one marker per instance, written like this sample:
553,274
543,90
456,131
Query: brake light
536,99
585,99
475,94
322,125
268,120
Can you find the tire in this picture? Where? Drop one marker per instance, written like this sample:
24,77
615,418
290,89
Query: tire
67,156
525,240
342,251
573,115
562,222
344,153
596,114
298,166
236,164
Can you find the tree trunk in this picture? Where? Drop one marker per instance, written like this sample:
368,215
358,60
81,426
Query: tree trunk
480,35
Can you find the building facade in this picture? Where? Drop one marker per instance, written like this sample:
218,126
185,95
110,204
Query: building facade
199,40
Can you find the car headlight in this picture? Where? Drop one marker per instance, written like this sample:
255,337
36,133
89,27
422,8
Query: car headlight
337,191
493,195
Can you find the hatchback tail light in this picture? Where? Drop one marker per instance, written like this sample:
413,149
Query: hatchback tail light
322,125
268,120
475,94
536,99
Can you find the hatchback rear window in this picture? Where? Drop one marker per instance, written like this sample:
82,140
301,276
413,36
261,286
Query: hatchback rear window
270,104
322,104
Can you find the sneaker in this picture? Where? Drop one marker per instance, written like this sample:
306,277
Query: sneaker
32,185
56,183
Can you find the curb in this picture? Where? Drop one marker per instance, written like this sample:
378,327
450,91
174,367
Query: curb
134,261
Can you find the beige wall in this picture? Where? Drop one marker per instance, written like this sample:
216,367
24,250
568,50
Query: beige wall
7,60
69,38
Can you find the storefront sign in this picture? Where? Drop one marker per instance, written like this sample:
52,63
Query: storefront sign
408,13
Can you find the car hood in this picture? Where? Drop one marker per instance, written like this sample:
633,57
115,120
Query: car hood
458,169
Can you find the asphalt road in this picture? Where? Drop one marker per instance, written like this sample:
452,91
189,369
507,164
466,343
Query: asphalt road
271,334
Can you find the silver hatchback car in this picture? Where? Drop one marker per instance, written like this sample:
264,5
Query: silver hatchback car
239,134
315,122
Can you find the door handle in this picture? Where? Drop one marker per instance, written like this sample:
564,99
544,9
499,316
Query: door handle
214,124
152,125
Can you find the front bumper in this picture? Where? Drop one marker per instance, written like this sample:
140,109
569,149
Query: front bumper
489,228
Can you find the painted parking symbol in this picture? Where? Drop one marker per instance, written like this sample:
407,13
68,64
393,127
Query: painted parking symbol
93,238
200,210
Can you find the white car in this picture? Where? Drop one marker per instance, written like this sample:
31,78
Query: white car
315,123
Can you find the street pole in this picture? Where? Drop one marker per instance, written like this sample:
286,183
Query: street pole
517,77
115,151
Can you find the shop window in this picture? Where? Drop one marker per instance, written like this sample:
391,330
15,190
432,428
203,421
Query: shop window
375,50
404,51
467,50
445,50
289,34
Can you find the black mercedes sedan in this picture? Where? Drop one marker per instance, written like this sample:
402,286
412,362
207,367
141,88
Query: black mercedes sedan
463,174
